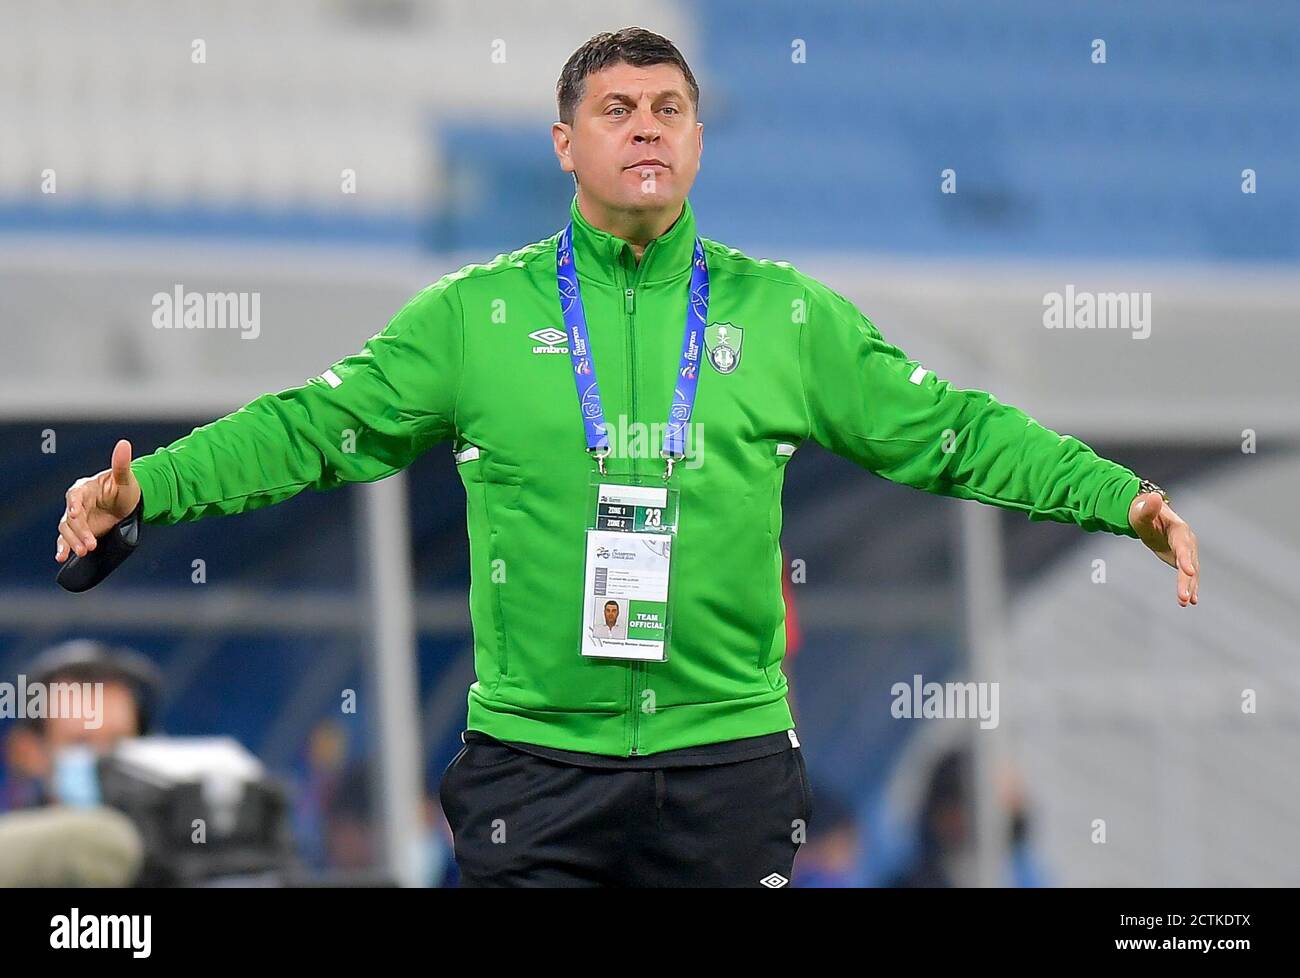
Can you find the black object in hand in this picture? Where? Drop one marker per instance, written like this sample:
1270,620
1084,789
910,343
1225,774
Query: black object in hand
82,572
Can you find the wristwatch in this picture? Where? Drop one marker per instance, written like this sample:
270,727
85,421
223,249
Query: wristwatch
1146,485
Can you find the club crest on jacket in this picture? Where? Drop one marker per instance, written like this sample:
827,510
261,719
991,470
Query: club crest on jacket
722,342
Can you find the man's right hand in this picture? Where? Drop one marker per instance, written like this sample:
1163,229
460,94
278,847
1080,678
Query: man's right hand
96,504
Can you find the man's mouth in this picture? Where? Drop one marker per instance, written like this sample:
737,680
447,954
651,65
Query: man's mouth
641,164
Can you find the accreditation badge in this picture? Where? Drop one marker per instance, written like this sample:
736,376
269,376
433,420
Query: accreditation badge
630,535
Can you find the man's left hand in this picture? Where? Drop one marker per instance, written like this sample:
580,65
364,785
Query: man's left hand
1170,538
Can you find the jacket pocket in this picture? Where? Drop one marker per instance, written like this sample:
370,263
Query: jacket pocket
475,471
781,454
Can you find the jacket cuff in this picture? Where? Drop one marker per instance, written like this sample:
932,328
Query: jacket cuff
155,485
1113,506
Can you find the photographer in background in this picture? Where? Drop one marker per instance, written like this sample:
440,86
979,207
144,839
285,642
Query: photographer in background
69,838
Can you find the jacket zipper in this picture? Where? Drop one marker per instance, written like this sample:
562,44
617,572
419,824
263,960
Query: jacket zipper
629,310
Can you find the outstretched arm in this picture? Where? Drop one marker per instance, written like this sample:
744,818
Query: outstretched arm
365,418
872,404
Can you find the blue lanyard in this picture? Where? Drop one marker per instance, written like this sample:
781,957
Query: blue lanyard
584,367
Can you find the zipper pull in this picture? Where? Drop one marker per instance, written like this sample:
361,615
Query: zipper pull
629,301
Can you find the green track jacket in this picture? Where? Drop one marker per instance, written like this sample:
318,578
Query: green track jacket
474,360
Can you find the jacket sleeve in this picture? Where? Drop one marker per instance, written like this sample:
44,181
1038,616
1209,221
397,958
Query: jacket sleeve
368,416
868,402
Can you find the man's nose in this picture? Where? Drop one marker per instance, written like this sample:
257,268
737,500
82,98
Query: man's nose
647,128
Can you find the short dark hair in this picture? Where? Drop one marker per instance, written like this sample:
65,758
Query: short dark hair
632,45
91,661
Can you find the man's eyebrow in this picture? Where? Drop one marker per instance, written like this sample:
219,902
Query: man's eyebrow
629,100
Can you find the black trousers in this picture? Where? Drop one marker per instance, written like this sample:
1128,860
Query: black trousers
522,820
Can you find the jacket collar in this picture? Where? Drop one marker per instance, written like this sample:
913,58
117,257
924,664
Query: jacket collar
599,255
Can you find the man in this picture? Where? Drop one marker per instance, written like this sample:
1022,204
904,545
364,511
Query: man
609,627
68,838
677,764
125,685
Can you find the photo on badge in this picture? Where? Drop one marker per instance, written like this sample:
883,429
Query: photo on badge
608,618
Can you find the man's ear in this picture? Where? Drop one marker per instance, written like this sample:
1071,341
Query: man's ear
699,137
562,140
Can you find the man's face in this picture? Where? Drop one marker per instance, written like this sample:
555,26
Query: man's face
628,116
611,614
118,718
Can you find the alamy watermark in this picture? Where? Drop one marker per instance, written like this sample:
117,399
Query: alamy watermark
919,700
637,439
127,932
53,701
1098,310
179,309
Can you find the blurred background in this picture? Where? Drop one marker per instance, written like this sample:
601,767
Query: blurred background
947,166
